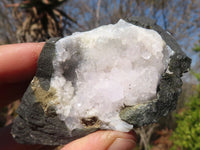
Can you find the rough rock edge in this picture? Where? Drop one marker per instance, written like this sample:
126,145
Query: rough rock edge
33,125
169,87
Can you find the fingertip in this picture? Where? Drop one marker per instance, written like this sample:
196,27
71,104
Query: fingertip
122,144
134,135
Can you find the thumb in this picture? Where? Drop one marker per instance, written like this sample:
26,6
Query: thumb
104,140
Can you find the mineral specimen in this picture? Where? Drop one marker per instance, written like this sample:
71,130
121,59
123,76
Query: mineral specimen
113,77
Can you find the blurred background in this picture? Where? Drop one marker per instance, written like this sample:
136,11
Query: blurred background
38,20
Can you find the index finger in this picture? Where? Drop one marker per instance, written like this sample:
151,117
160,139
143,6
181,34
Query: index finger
18,62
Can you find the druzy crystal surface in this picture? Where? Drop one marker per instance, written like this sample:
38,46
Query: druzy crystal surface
98,72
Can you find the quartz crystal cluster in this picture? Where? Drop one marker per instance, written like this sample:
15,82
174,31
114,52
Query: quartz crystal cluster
117,77
98,72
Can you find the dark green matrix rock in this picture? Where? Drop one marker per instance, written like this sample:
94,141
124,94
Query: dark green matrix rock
38,123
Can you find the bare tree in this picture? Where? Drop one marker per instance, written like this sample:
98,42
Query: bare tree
7,25
145,134
97,12
179,17
39,20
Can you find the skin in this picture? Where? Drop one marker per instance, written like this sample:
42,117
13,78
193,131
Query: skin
18,63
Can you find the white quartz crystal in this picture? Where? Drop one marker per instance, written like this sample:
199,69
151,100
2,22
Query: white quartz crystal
120,65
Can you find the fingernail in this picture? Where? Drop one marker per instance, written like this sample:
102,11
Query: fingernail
122,144
132,132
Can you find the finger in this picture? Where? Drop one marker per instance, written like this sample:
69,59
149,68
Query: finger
18,62
104,140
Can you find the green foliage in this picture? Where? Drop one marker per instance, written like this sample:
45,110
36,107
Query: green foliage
187,134
197,47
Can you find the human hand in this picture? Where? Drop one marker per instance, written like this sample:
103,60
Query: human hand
18,63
